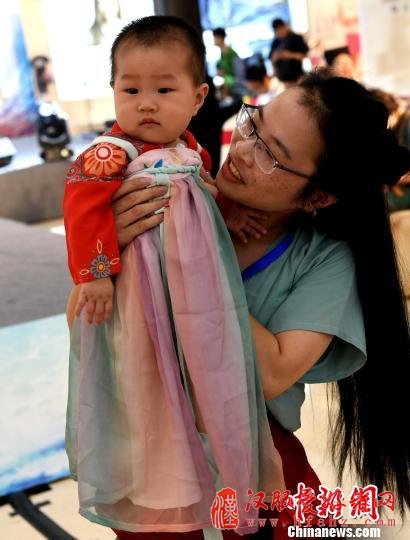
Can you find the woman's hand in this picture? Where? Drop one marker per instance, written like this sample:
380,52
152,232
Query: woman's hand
134,205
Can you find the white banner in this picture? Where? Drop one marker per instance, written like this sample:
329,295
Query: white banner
385,31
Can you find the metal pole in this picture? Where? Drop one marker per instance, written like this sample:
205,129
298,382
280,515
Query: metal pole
188,10
29,511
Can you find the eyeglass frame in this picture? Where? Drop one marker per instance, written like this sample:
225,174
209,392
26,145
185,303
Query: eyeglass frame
276,163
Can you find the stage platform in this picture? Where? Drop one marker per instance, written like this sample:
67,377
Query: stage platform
34,280
30,189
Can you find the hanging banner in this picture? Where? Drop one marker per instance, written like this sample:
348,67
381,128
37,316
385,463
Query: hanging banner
18,108
332,22
385,30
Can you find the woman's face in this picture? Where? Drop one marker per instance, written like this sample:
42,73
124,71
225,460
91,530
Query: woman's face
293,137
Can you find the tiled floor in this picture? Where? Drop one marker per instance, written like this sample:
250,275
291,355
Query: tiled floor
63,496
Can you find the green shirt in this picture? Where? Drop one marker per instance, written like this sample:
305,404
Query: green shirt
312,286
227,64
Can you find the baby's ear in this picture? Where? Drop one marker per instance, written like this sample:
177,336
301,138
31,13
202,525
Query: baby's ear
201,93
319,199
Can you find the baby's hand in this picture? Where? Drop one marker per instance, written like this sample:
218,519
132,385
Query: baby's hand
244,222
97,296
209,182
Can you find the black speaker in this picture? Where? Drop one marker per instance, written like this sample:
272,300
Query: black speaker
53,134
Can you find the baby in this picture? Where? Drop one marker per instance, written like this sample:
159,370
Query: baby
157,74
141,386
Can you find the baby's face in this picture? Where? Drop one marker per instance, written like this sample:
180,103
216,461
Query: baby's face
154,93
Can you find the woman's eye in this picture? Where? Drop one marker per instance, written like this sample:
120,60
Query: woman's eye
164,90
269,154
251,128
132,91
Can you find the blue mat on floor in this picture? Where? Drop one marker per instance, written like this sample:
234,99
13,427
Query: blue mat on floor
33,397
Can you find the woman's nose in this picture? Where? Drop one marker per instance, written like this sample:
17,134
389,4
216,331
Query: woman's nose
244,150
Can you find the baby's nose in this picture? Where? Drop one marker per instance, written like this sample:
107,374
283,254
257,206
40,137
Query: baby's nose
147,105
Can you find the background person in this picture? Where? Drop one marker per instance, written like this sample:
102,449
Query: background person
226,64
342,63
287,53
262,86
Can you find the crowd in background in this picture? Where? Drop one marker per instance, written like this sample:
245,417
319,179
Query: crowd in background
258,79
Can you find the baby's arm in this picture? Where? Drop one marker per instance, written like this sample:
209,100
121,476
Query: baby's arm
97,298
88,218
209,182
241,220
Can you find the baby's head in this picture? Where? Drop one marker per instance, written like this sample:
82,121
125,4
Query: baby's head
157,73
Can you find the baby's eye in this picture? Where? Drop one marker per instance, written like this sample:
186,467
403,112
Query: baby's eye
164,90
132,91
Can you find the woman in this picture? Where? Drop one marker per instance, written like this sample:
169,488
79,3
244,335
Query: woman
329,308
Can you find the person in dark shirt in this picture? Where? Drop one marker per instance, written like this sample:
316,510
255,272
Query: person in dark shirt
206,125
287,52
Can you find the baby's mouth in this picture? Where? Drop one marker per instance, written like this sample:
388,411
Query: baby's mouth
149,121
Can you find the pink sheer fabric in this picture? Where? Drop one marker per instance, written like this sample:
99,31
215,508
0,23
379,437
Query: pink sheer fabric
134,442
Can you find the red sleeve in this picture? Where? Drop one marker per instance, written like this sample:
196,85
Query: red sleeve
92,245
206,159
193,145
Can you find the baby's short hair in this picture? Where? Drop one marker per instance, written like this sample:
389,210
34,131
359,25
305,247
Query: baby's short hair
159,29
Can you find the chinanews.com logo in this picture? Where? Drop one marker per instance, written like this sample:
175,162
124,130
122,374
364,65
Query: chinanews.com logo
309,514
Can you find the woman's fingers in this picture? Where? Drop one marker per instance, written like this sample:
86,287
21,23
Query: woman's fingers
137,212
128,233
134,207
136,184
132,198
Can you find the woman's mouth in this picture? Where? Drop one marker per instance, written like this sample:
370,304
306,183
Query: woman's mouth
230,171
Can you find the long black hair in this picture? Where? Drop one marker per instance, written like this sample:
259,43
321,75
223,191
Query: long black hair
361,156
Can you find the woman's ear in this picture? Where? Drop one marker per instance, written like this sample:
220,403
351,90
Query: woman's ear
319,199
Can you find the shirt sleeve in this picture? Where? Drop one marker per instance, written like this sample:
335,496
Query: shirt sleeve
206,159
90,184
203,152
324,298
273,47
300,44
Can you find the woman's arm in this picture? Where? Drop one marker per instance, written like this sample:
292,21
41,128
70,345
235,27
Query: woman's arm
283,358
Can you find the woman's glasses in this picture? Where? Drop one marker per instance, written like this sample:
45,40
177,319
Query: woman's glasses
263,156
